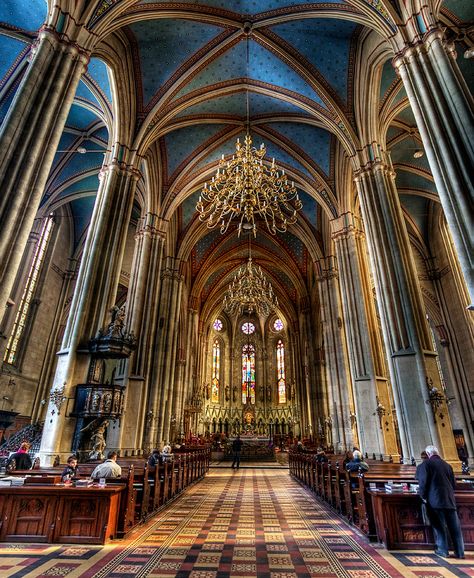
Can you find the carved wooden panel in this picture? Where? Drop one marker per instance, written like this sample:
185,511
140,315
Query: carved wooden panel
80,517
28,516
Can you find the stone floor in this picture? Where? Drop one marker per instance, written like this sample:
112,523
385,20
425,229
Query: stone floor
251,522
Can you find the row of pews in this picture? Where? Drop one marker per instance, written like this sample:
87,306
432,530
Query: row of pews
142,491
392,518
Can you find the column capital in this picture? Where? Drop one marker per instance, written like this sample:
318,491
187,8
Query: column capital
61,42
153,225
345,225
326,268
414,48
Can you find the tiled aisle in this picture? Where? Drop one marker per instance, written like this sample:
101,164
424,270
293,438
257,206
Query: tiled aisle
246,523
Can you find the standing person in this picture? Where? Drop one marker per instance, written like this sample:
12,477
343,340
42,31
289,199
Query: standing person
70,471
236,449
108,468
20,460
436,488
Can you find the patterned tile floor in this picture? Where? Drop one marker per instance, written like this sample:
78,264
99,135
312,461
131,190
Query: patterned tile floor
246,523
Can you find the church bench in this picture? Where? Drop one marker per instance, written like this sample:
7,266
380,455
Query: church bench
399,522
59,514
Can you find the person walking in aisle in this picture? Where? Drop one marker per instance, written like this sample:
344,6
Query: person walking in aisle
236,449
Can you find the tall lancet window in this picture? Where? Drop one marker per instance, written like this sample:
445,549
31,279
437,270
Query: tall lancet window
248,373
281,372
28,292
216,365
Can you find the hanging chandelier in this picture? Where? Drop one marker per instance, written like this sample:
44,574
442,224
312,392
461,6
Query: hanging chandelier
250,291
246,186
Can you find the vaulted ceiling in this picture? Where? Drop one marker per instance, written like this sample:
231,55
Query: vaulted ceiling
193,75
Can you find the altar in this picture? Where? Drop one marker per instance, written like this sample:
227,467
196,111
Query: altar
254,448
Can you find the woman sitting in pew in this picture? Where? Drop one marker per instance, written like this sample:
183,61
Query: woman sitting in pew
20,460
356,464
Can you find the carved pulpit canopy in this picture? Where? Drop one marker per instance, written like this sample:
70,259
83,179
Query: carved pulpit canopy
114,341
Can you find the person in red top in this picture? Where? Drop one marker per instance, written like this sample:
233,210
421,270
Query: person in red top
20,460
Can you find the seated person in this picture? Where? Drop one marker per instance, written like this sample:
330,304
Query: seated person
349,456
321,457
356,464
154,458
20,460
166,453
70,471
109,468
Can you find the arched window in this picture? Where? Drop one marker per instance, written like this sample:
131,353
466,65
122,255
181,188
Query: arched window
216,364
281,372
28,292
248,373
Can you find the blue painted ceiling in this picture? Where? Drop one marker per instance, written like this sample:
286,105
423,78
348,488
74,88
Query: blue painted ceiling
304,66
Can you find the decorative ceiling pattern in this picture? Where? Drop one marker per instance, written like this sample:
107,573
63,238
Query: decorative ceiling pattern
193,88
162,37
312,38
23,14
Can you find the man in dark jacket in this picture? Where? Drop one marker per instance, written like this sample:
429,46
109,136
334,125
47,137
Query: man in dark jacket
236,449
436,488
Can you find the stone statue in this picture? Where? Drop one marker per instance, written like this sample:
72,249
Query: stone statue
227,393
269,393
97,438
234,393
117,324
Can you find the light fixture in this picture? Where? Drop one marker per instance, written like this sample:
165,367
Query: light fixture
250,291
418,152
246,186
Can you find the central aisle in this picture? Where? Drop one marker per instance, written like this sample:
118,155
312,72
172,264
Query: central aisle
243,523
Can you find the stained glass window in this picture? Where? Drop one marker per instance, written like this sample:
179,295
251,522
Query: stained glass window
28,292
281,372
278,325
216,363
248,373
217,325
248,328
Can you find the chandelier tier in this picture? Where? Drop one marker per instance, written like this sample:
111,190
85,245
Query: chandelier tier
246,186
250,291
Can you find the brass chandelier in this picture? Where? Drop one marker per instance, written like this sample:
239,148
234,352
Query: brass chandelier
245,186
250,291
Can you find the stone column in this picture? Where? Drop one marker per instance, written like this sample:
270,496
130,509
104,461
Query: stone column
46,374
29,138
142,315
93,298
407,339
442,105
340,396
162,380
366,356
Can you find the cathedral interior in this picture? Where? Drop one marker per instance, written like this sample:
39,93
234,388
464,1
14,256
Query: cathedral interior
121,309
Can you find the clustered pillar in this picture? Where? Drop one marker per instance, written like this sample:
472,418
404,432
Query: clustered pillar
94,296
28,141
412,361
